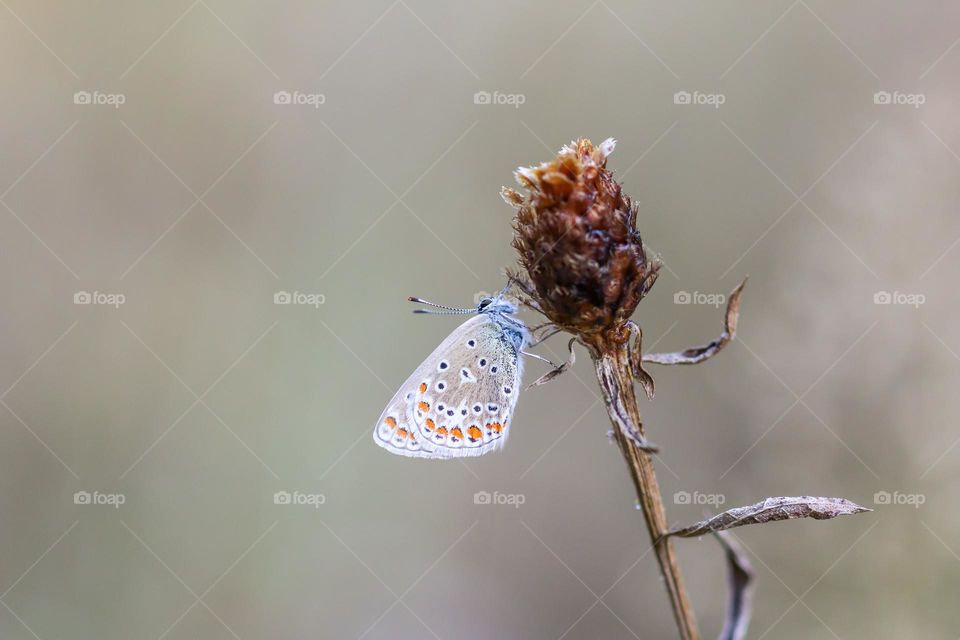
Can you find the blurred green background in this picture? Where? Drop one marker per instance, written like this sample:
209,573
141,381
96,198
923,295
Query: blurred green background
183,189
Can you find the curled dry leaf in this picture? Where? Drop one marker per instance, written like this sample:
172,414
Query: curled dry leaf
740,579
563,368
771,510
696,355
616,380
636,360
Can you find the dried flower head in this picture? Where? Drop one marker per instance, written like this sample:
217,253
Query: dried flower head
575,231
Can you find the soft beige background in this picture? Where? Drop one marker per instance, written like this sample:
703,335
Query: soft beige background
198,398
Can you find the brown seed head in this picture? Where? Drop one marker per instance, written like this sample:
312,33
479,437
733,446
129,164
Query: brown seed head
575,231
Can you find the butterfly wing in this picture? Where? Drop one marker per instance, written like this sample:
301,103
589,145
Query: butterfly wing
395,430
466,407
459,401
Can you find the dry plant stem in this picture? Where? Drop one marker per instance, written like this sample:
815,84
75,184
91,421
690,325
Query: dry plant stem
616,380
586,269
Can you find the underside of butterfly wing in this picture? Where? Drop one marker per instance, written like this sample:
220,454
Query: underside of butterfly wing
459,402
464,405
397,433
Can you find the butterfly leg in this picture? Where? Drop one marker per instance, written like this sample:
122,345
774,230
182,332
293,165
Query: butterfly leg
551,330
538,357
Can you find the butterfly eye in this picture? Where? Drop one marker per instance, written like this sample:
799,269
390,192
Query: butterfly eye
484,303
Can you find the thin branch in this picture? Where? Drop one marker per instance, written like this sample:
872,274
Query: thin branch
615,374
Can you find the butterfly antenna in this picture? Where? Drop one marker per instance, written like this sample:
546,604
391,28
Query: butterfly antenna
446,310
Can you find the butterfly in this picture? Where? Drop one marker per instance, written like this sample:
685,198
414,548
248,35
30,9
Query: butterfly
460,400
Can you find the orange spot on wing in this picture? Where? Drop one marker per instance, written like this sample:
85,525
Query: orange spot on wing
391,422
423,387
403,433
423,406
442,431
474,433
456,432
497,427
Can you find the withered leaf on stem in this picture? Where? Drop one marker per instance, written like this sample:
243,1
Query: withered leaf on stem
563,368
741,582
695,355
636,360
771,510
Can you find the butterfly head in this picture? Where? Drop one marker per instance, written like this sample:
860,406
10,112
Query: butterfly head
498,305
